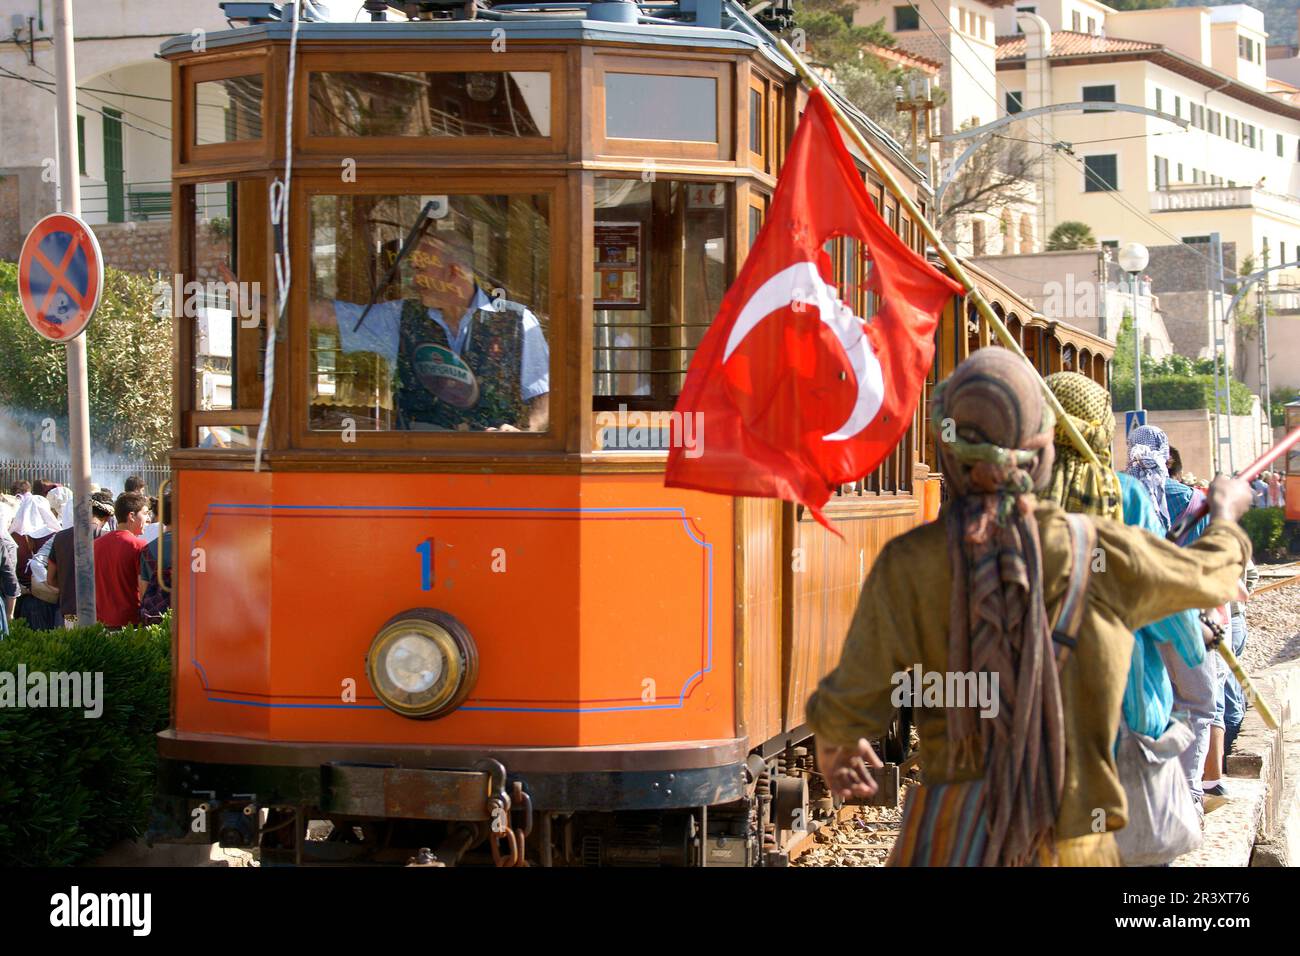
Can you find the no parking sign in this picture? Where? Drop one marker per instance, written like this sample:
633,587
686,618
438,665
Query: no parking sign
60,276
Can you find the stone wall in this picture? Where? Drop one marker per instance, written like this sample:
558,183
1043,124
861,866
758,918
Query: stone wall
24,198
145,247
1185,268
136,246
1187,317
11,235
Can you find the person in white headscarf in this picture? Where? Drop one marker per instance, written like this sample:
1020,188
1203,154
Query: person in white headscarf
8,562
60,499
32,529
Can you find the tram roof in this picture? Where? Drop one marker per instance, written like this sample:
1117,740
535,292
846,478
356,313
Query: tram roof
739,30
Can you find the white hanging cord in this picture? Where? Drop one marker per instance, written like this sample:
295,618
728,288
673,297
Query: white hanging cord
280,219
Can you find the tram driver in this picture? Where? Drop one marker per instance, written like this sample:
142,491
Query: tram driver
457,357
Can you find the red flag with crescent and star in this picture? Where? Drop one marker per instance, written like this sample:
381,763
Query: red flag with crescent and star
796,394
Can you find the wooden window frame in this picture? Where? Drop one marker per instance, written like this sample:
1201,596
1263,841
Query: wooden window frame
189,418
737,233
761,160
564,311
721,71
256,62
553,64
761,201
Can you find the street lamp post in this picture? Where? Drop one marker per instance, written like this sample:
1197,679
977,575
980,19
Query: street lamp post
1133,259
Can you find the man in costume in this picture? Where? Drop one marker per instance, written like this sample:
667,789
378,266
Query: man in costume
1081,487
973,591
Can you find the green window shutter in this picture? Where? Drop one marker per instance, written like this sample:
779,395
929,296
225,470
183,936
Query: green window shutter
81,145
114,174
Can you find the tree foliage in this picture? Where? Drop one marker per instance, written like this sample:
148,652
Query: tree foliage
1138,4
996,175
836,46
1279,398
129,367
1071,234
1173,383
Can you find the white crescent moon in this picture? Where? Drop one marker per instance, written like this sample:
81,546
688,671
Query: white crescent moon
802,283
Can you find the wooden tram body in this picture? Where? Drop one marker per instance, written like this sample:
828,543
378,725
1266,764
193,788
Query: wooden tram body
643,654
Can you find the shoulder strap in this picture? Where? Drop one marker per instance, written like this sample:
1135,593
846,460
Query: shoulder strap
1065,628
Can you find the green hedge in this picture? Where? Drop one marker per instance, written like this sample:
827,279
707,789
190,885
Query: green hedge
72,786
1177,392
1265,526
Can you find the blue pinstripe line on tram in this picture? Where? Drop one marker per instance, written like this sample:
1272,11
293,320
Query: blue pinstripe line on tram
680,512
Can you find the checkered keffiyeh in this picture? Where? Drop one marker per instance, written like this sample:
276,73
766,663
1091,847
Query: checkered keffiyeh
1077,485
1148,462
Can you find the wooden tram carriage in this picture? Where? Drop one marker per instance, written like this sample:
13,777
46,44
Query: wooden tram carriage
608,671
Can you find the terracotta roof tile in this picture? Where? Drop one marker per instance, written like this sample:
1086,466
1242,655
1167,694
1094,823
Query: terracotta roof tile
896,54
1069,43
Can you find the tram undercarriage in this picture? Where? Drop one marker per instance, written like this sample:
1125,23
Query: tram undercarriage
347,812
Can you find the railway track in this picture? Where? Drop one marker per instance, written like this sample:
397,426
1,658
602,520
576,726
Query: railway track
1278,577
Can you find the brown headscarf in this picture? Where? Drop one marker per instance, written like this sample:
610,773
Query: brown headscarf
995,436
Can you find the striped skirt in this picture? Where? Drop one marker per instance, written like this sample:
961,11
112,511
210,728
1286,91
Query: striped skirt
946,825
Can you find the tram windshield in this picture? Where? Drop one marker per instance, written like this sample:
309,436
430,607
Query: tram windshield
456,341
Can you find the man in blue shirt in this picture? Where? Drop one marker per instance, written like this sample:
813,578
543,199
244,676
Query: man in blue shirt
453,357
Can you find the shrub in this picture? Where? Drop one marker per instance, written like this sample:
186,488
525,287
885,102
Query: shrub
72,786
1264,525
1279,398
1175,392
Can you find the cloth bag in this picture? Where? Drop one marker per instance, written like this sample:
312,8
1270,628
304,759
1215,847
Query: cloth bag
37,566
1162,820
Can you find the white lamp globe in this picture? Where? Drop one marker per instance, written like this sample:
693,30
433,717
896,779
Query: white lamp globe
1134,257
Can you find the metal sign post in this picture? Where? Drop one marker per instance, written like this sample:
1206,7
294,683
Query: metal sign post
65,75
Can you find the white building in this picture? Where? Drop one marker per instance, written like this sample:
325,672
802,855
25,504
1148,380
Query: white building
960,35
123,109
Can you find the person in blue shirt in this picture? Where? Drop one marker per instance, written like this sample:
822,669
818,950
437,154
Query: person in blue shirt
444,355
1195,685
1149,696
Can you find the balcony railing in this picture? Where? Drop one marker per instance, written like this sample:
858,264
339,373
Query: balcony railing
1200,198
146,201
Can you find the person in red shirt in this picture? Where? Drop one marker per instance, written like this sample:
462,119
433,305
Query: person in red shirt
117,563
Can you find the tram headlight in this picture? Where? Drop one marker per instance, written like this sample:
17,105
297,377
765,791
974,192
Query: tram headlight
422,663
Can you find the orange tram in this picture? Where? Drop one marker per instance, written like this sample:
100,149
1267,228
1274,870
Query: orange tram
453,610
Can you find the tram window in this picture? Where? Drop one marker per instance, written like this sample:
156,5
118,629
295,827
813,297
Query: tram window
227,436
661,251
661,107
223,295
228,110
516,103
456,340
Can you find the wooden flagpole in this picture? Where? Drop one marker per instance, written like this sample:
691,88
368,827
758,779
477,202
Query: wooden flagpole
986,312
954,267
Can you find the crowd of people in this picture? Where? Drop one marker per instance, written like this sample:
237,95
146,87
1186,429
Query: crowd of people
38,576
1050,570
1269,490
